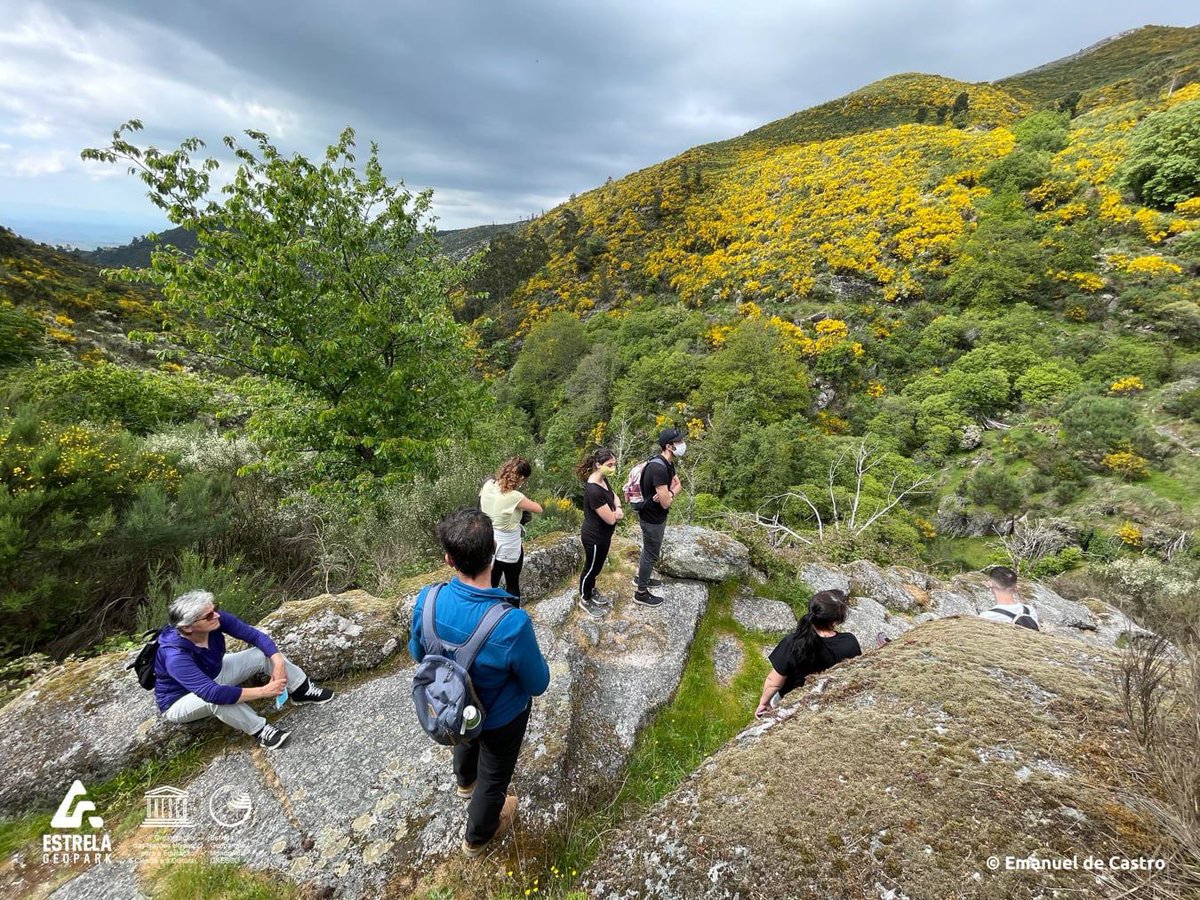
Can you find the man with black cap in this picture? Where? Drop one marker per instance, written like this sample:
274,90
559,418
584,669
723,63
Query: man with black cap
660,487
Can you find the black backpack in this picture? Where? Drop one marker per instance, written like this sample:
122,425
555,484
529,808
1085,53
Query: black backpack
442,690
1025,620
143,663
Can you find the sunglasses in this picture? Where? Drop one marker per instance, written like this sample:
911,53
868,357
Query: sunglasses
209,617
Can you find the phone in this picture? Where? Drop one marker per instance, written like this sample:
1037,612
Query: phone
281,699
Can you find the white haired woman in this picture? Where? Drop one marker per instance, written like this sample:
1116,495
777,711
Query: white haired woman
195,678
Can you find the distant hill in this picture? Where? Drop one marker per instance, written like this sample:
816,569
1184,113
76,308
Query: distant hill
136,253
458,243
1139,62
898,100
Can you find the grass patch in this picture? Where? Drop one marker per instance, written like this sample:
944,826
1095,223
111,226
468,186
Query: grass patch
788,588
963,554
198,880
703,716
1171,488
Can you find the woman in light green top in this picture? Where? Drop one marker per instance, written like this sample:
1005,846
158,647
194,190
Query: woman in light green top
504,505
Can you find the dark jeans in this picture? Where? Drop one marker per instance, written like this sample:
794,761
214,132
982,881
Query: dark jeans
594,557
488,763
652,538
511,573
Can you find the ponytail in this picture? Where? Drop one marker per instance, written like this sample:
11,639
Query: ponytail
826,609
588,464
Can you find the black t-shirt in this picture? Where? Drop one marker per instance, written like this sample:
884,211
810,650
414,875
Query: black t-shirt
597,496
658,472
837,648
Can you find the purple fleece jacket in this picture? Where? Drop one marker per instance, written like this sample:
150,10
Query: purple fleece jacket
182,668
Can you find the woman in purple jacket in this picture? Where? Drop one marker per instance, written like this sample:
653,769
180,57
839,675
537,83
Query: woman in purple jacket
195,678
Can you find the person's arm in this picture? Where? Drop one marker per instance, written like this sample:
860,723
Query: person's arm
526,661
529,505
184,670
415,648
596,498
664,496
772,685
235,627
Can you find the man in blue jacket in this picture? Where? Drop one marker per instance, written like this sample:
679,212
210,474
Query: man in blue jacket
195,678
508,672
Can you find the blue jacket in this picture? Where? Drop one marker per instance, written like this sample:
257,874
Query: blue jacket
509,669
182,668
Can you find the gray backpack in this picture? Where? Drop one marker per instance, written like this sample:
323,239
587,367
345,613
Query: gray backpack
442,690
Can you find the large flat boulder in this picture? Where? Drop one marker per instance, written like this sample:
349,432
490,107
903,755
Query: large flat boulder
885,586
361,803
959,742
330,635
689,551
333,634
763,614
85,719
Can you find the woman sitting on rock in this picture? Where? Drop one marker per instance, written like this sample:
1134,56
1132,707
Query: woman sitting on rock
814,646
505,505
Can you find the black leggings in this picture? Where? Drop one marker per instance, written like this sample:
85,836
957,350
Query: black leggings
511,572
594,557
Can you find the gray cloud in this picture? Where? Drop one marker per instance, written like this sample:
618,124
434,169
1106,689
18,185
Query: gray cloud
504,108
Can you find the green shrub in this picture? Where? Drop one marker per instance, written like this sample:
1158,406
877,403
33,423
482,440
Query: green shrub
1185,405
1046,382
21,335
1064,560
137,399
1163,164
84,509
238,589
1044,130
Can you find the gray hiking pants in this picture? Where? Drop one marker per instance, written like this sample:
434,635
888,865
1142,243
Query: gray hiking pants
652,538
235,668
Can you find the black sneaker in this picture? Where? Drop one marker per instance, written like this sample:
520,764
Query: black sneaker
591,607
599,599
272,738
653,582
310,693
646,598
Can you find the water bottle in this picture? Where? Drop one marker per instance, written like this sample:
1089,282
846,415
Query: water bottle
471,718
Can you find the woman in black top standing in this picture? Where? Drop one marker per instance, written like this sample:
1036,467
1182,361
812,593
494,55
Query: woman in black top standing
814,646
601,512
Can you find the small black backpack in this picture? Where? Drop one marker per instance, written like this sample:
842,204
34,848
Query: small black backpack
1025,620
143,663
441,688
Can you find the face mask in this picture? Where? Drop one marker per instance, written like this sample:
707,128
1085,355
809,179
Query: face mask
680,448
609,470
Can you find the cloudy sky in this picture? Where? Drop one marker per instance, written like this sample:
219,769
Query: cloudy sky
503,107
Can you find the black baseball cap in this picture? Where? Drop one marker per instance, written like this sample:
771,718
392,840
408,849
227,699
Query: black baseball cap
669,436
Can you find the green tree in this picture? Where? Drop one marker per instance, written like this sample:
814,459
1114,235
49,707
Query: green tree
552,350
1046,382
1163,165
755,375
1044,130
1003,260
319,280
